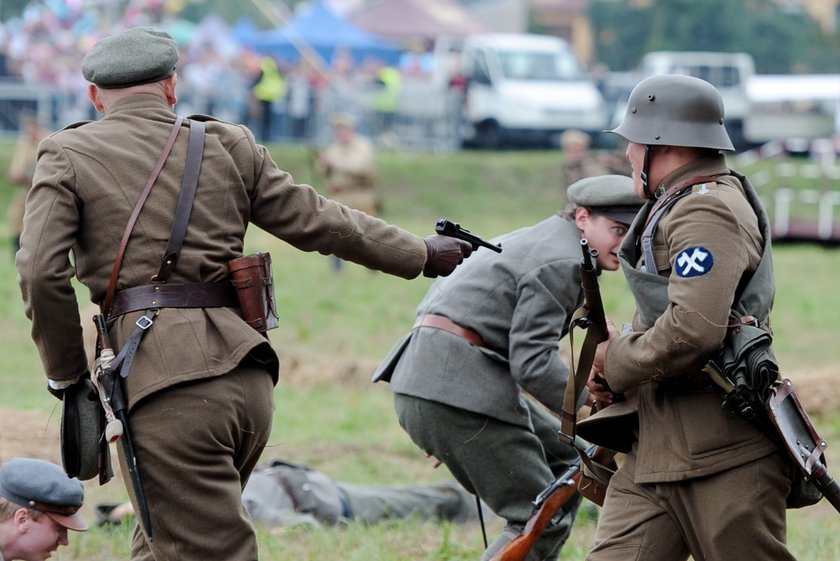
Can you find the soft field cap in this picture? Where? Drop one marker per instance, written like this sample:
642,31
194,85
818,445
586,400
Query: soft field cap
610,195
43,486
139,55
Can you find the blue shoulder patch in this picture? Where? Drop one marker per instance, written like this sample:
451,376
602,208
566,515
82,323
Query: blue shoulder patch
694,262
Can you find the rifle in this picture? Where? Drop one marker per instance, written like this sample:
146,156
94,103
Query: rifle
109,385
446,228
546,506
591,315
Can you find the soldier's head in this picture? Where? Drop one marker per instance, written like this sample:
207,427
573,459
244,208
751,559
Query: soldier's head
139,59
682,114
344,127
38,504
603,207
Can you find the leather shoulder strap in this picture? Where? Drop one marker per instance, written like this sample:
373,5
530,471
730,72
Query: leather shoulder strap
135,213
192,169
662,204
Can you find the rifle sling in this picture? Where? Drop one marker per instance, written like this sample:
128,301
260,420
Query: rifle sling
192,169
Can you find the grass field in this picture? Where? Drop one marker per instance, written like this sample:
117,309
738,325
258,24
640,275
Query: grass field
335,328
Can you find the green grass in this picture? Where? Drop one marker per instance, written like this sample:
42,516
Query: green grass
335,328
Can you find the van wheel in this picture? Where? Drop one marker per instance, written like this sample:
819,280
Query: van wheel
489,135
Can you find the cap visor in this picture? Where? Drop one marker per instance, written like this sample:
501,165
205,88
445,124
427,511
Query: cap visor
72,522
623,217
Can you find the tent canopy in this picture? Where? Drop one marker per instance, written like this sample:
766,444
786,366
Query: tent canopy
416,19
319,28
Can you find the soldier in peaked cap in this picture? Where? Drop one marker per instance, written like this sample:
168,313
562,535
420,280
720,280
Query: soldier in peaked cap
38,504
484,351
200,390
696,481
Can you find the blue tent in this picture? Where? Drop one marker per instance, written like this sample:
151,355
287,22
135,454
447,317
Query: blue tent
316,26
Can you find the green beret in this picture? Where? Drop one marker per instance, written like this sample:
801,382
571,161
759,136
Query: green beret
611,195
43,486
139,55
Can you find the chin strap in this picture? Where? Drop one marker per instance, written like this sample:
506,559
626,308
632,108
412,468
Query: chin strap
646,173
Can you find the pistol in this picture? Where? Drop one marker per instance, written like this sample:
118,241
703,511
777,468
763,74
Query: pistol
445,227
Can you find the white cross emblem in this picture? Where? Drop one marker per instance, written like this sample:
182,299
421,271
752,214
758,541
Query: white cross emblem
694,261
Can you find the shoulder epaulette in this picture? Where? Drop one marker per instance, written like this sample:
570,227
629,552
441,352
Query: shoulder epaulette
202,117
76,125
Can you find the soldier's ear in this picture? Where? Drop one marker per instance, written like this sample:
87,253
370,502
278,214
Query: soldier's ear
582,216
169,86
95,98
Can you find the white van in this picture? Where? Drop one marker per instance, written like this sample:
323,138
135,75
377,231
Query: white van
526,88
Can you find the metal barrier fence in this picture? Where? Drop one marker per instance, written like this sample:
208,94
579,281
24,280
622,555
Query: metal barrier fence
424,118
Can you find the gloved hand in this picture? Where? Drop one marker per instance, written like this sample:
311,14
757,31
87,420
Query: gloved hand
443,254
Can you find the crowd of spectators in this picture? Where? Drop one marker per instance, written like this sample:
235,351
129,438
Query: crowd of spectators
43,49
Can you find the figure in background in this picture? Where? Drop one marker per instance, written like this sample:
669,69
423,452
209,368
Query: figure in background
269,88
300,101
349,164
578,161
581,161
284,494
21,169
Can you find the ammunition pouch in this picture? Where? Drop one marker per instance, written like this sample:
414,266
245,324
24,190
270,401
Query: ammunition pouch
254,283
595,479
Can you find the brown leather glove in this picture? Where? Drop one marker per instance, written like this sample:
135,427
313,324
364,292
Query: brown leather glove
443,254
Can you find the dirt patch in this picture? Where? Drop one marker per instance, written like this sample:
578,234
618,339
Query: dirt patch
36,434
29,433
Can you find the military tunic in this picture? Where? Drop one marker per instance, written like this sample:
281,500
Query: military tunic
200,390
462,403
697,481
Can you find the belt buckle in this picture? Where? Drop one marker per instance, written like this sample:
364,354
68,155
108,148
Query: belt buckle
144,322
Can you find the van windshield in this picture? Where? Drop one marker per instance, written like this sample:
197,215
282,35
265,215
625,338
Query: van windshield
538,65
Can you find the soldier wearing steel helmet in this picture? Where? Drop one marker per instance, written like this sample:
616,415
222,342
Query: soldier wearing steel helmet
696,480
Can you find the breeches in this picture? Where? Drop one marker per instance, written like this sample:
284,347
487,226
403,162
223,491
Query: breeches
197,444
730,516
504,464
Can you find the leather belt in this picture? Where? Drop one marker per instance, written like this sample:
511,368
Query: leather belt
171,295
446,324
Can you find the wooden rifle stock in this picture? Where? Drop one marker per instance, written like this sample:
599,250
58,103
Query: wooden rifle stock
546,506
564,488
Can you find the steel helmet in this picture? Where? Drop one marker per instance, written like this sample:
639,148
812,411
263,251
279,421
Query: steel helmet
675,110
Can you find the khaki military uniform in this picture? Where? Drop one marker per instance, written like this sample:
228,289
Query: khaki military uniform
697,481
350,169
200,391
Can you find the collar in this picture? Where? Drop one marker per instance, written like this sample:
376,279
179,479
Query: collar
705,165
149,104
